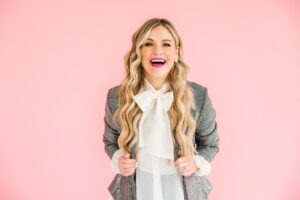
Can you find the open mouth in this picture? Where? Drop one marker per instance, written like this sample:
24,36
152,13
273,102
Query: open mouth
157,62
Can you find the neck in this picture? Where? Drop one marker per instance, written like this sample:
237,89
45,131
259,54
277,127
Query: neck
156,83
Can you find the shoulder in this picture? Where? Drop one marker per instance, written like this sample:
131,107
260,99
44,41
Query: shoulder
196,86
199,94
199,91
113,91
112,97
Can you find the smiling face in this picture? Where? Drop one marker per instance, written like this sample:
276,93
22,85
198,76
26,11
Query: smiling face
158,53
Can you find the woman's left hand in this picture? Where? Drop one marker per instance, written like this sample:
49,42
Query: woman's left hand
186,165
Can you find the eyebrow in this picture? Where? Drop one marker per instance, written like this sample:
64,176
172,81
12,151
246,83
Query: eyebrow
164,40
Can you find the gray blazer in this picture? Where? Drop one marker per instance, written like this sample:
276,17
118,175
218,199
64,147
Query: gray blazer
206,141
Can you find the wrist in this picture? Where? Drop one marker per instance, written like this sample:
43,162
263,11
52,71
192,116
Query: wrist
195,166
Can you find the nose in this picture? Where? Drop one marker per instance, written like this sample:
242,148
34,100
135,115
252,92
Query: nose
157,49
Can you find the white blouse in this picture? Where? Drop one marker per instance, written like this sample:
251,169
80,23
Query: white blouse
156,178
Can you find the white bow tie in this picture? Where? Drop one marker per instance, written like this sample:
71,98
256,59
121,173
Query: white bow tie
154,128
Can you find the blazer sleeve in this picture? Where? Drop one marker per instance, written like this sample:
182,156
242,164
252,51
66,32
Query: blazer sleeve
206,136
111,131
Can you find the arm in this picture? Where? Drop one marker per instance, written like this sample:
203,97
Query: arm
121,163
111,132
204,167
206,136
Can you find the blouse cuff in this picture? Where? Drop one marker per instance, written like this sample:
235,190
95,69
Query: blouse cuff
115,161
204,167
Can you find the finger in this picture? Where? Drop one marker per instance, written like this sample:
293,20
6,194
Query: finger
186,171
178,153
127,161
127,171
181,159
186,174
182,169
182,165
128,166
127,155
127,174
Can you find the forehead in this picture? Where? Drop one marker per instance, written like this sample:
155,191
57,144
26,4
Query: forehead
159,33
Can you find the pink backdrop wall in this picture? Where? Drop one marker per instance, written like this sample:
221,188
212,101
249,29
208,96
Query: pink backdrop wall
58,59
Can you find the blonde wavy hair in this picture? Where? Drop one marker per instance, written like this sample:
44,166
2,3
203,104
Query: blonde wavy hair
128,114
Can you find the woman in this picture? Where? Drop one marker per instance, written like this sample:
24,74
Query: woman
160,128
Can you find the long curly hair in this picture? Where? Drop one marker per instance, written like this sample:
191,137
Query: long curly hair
128,114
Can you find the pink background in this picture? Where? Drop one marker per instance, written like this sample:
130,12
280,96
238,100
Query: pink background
58,59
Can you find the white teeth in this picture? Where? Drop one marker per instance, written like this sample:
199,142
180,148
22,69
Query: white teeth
157,60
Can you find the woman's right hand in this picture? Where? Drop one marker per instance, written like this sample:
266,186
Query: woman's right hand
126,165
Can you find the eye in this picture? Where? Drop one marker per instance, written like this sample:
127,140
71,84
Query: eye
167,45
148,44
